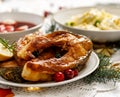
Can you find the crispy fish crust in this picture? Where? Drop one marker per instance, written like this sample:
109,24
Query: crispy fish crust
78,49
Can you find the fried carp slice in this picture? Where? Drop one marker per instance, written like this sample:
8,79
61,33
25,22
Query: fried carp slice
78,49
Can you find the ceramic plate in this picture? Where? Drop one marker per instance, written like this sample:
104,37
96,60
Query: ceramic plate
91,66
63,16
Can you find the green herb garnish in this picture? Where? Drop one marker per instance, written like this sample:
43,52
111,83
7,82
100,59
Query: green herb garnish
6,44
36,53
103,73
70,23
57,55
97,22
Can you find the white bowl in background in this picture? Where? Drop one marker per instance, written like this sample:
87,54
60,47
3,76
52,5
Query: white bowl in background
24,17
63,16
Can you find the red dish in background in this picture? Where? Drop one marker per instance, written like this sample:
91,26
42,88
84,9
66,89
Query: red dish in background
13,26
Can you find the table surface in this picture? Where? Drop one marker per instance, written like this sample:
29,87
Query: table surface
39,6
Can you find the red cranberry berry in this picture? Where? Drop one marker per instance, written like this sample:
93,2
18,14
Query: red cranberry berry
69,73
6,93
75,72
46,13
59,76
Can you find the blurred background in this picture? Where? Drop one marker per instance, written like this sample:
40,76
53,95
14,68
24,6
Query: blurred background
40,6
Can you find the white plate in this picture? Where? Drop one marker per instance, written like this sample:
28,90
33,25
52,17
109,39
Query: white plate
91,65
63,16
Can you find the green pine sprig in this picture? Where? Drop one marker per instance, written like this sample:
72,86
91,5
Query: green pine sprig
104,72
7,45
